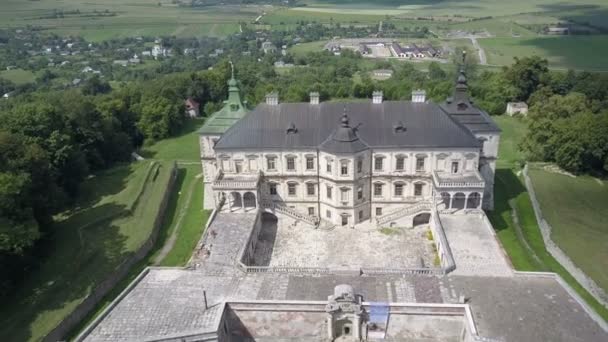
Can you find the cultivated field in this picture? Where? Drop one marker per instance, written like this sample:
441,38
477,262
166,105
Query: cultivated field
106,19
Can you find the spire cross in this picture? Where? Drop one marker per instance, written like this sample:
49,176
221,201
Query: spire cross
231,68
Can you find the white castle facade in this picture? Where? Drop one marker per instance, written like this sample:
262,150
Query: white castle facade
345,163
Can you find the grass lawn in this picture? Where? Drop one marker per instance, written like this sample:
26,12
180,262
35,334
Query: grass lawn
90,241
18,76
576,210
525,246
183,147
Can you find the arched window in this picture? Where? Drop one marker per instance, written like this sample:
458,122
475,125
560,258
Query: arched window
458,201
473,200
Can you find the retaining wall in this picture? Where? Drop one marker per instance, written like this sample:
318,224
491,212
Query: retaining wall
104,287
557,253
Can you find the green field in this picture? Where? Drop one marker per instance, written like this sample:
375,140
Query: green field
112,218
18,76
125,18
576,210
575,52
523,241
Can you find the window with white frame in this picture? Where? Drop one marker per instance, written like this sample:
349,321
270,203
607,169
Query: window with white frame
359,165
253,164
272,188
238,166
329,191
291,163
328,166
344,168
418,189
311,211
420,163
360,193
400,163
310,163
378,211
398,189
455,165
271,163
344,194
328,213
378,189
310,189
292,189
378,163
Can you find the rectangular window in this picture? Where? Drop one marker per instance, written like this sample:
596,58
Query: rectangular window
378,163
398,190
359,165
253,165
420,163
328,213
329,191
377,189
328,166
344,195
238,166
418,189
271,163
378,211
344,169
360,215
291,164
400,164
291,189
360,193
310,163
272,188
310,189
454,167
344,220
311,211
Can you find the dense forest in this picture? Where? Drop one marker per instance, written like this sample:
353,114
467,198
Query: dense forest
50,140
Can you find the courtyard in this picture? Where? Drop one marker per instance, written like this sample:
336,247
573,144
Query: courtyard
283,244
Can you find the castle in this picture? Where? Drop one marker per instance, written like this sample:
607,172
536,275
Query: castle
344,163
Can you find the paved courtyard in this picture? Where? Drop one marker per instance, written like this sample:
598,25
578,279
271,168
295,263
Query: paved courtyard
283,244
474,247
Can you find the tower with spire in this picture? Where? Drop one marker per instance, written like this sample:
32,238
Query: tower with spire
233,110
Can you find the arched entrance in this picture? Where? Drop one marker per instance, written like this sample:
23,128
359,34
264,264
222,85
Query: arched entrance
445,198
473,200
458,201
237,201
422,218
249,200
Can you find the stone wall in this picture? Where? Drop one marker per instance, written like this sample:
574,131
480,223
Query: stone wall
104,287
441,242
557,253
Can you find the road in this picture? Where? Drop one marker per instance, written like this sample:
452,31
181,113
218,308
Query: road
482,54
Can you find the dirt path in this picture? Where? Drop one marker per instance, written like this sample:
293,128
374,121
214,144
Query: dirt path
170,242
482,54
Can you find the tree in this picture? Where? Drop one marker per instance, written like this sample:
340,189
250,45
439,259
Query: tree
526,74
95,85
159,118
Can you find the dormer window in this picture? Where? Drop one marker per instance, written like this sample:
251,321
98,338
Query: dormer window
462,106
291,129
399,127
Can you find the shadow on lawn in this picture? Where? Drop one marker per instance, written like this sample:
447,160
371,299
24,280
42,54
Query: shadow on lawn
81,259
507,186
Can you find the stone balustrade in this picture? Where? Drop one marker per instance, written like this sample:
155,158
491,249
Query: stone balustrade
222,182
458,182
402,212
293,213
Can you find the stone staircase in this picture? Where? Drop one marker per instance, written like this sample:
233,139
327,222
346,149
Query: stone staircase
405,211
294,214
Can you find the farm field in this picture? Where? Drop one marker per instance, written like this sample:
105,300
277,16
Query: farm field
576,210
18,76
105,19
572,52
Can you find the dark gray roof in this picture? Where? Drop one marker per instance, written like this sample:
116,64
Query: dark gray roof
462,110
374,125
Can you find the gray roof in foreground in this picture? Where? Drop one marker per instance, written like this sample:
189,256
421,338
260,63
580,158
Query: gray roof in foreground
316,125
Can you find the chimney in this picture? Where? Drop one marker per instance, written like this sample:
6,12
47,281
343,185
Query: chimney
272,99
314,98
377,97
419,96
